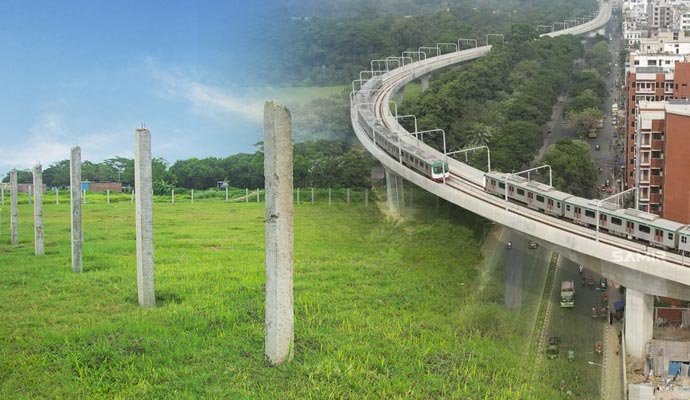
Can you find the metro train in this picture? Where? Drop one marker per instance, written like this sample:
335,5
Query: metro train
624,222
425,162
627,223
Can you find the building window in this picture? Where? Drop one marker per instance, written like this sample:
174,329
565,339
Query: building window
656,154
657,136
656,189
656,171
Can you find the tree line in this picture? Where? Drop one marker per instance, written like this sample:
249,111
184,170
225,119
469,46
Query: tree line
319,164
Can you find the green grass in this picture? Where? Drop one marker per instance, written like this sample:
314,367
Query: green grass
383,308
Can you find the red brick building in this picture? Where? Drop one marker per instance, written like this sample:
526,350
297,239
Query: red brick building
661,161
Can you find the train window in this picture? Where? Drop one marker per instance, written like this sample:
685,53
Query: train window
520,192
643,228
540,198
616,221
558,204
567,207
670,236
501,185
684,239
590,213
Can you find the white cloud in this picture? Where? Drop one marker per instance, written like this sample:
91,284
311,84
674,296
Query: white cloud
205,99
48,141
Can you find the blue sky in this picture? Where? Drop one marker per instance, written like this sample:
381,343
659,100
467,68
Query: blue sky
89,73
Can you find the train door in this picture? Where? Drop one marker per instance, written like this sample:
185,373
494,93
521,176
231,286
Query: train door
549,204
578,213
630,227
511,189
658,235
530,198
602,220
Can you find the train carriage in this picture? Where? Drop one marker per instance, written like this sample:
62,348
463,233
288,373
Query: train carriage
545,198
684,240
584,212
650,228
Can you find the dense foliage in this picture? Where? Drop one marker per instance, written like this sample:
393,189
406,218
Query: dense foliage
573,170
319,164
501,99
329,42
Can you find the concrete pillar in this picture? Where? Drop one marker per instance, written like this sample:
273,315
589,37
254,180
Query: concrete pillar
227,194
246,195
172,196
57,197
425,82
312,196
143,184
348,197
279,336
14,213
75,208
38,210
28,194
192,195
639,322
393,185
329,197
107,196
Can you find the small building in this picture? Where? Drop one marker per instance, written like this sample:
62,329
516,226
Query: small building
101,186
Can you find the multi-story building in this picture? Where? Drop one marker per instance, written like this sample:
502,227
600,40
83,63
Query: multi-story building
660,145
659,15
665,41
653,79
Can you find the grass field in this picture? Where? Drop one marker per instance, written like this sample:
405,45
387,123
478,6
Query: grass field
383,308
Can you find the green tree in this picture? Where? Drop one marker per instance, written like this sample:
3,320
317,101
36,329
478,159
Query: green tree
583,121
573,170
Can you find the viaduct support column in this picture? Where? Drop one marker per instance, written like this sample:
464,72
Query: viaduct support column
639,322
75,207
14,213
425,82
280,319
394,192
38,210
143,186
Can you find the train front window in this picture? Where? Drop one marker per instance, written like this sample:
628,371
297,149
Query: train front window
439,168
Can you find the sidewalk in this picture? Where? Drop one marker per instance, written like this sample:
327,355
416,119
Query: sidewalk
612,374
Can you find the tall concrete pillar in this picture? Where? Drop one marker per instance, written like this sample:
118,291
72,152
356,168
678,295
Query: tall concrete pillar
639,322
393,192
143,184
57,197
75,208
14,213
279,335
38,210
107,196
425,82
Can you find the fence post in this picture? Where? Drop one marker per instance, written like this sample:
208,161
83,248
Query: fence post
258,196
329,197
297,195
312,196
366,197
226,194
83,194
192,195
131,201
348,196
172,196
29,193
57,198
107,196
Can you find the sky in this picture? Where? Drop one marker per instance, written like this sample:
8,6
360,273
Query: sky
89,73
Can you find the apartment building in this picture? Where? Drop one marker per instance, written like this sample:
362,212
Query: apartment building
660,145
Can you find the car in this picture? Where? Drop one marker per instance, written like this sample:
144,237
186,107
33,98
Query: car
532,245
553,347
